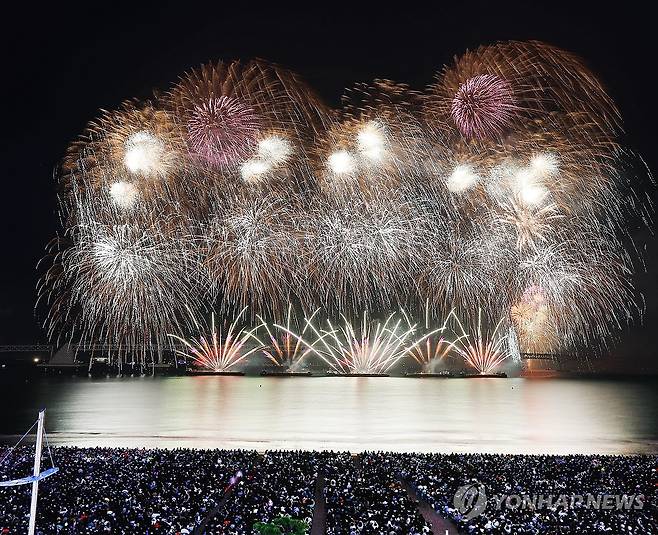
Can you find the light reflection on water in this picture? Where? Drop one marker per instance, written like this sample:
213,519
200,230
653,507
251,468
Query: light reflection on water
398,414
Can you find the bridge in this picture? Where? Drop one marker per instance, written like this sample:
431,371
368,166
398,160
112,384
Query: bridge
67,356
152,348
552,356
540,356
26,348
84,346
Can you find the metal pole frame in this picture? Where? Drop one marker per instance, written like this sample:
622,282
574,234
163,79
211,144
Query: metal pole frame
37,471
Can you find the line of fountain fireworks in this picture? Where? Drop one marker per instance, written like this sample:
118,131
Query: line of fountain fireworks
502,190
363,346
366,347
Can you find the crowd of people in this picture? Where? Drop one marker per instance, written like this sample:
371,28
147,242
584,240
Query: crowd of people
281,484
183,491
437,478
114,490
364,496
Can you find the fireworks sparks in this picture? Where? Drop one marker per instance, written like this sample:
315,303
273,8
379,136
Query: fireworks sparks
124,194
222,348
468,268
341,162
371,141
253,170
251,255
364,253
274,150
530,316
434,346
130,286
144,154
483,347
483,106
502,186
545,165
461,179
368,347
287,349
532,225
222,130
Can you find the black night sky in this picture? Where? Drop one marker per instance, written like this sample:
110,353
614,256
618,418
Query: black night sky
65,61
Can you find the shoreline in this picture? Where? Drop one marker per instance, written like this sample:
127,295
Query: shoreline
13,374
80,440
354,453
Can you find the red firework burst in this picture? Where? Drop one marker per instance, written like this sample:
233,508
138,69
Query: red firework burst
483,106
223,130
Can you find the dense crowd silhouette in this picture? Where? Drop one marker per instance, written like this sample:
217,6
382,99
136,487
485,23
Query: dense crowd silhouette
184,491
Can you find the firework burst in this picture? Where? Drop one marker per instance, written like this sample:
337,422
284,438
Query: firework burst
123,284
222,347
467,267
483,347
483,106
286,349
365,252
531,319
252,254
237,187
532,224
124,194
223,130
367,347
434,345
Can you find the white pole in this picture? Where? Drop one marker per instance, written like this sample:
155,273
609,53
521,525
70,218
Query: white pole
37,471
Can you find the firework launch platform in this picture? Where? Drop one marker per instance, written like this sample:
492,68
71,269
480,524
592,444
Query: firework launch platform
330,374
421,375
210,373
499,375
274,373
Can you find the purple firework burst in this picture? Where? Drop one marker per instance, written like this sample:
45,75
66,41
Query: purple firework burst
483,106
223,130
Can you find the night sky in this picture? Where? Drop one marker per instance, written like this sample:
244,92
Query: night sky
63,62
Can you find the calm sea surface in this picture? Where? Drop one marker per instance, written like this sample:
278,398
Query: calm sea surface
397,414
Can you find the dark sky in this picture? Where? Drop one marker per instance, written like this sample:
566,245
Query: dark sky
64,62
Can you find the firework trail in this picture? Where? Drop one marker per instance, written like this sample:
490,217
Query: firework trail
286,349
481,346
367,347
434,345
222,348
